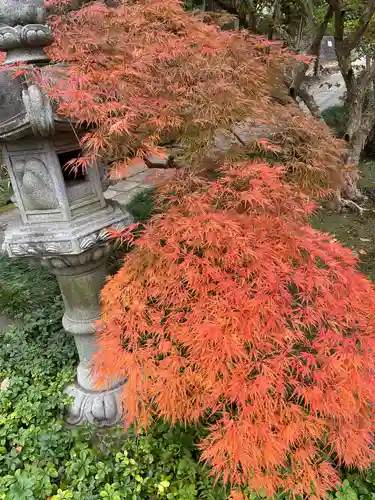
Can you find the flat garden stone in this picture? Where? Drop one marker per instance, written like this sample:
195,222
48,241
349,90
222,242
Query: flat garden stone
157,161
125,185
154,176
5,323
110,193
130,170
124,198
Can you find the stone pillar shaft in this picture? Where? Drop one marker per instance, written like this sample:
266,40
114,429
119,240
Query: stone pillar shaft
81,278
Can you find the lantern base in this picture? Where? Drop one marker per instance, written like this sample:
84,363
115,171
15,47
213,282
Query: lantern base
73,237
100,409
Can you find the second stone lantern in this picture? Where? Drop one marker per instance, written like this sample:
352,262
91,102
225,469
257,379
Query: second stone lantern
63,218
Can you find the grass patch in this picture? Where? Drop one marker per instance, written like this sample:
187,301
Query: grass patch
7,208
336,117
5,191
24,288
143,205
352,230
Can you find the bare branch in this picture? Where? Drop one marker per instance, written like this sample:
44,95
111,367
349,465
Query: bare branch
313,50
320,32
309,9
310,102
251,9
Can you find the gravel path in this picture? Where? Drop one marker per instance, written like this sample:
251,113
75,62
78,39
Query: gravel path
333,88
331,91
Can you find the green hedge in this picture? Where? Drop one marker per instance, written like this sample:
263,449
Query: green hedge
336,117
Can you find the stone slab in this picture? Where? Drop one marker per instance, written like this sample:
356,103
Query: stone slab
154,176
156,161
126,185
110,193
127,197
130,170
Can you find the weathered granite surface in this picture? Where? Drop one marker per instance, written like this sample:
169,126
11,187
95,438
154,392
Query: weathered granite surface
23,30
136,179
121,191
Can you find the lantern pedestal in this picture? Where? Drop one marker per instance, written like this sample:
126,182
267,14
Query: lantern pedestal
81,278
63,215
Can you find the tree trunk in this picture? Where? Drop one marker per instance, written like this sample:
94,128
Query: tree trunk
357,132
317,66
356,146
310,102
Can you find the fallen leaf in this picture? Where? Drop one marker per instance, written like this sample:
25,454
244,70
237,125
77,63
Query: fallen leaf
5,384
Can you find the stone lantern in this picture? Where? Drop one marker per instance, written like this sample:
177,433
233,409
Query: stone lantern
63,218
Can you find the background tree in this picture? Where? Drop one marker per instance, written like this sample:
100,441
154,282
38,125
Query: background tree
353,25
136,89
302,26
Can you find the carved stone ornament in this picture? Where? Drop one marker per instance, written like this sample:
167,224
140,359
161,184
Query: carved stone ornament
81,259
65,248
39,111
21,12
101,236
35,182
23,30
102,409
37,35
71,240
33,249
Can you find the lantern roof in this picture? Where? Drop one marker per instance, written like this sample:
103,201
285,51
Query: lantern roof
26,110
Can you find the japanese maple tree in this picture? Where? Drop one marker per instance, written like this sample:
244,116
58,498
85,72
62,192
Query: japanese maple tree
231,309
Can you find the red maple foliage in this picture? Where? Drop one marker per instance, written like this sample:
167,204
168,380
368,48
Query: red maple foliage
233,308
144,73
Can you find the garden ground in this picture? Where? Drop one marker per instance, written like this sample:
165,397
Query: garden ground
352,229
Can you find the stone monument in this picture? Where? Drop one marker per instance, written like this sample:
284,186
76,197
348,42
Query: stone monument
63,218
327,49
